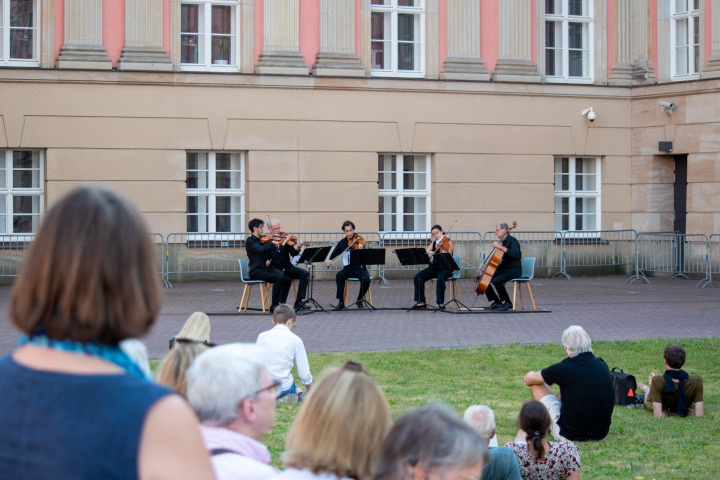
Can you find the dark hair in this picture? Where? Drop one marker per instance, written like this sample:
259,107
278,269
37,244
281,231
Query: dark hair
254,223
348,223
438,227
534,420
431,436
674,356
90,274
283,313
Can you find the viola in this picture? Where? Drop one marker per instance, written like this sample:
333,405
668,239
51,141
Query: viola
491,265
444,245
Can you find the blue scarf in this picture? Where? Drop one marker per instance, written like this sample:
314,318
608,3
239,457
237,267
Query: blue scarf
680,375
111,353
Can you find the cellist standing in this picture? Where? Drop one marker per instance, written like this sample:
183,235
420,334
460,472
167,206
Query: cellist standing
441,244
510,267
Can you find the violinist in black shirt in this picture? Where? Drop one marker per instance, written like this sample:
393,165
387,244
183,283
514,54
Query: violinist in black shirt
282,258
440,244
260,263
351,240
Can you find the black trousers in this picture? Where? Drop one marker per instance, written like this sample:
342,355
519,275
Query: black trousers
281,283
352,271
498,282
433,271
298,274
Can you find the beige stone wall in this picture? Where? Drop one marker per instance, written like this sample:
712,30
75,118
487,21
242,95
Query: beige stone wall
311,143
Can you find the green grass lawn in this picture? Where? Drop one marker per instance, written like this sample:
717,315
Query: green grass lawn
638,446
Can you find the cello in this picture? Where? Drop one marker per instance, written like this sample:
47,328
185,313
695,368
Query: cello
491,265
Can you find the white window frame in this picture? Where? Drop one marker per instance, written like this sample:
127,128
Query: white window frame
572,194
565,19
400,193
10,191
5,60
212,192
394,9
694,20
204,32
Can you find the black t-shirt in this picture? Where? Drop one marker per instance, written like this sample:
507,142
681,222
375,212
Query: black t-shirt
587,396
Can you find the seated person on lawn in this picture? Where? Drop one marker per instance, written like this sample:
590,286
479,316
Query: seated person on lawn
675,390
588,395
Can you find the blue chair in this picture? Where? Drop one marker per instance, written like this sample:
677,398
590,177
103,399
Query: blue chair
245,278
368,294
454,290
528,271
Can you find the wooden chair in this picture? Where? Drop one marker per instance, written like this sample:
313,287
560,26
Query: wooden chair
245,278
368,294
528,271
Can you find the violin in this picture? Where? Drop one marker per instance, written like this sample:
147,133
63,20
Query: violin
267,238
292,239
443,246
356,242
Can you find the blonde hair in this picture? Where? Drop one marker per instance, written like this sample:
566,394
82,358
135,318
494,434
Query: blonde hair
340,427
176,364
197,327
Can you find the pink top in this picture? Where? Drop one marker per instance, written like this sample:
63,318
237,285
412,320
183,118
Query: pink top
250,460
562,460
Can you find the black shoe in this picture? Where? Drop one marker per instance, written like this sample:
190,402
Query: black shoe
419,306
272,309
441,306
339,306
495,305
301,306
505,307
359,304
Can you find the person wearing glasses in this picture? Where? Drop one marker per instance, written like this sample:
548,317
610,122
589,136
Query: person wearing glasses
233,396
285,349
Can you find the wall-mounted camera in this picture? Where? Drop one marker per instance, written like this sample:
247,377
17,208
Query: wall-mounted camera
590,114
667,107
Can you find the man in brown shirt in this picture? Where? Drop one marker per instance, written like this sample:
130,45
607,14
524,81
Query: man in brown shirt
674,391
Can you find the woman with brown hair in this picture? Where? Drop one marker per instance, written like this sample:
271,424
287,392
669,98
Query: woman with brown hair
74,405
177,362
538,458
339,430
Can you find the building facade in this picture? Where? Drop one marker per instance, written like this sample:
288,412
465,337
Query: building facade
565,115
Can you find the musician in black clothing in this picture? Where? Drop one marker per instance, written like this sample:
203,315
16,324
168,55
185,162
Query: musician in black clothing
510,267
260,263
281,258
349,271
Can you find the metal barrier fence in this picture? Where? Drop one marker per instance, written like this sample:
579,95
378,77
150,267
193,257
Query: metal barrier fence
546,247
161,255
673,253
12,251
598,248
714,262
465,244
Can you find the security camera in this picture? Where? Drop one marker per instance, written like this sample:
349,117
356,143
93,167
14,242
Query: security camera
667,107
590,114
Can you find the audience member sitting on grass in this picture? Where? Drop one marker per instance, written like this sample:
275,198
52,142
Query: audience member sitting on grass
675,390
538,458
431,443
233,396
178,360
339,430
285,348
73,404
196,327
502,464
588,395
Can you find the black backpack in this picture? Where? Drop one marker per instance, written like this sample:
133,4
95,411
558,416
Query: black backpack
625,387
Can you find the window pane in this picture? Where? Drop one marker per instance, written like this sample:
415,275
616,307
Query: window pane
680,5
221,26
414,176
26,210
227,214
228,174
577,7
191,50
387,176
387,210
380,2
406,56
26,170
414,209
406,28
407,3
21,44
553,7
197,170
197,214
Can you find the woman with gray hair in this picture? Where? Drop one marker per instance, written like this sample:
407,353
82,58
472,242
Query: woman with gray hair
233,396
434,443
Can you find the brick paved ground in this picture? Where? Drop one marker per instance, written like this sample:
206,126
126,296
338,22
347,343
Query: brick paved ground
605,306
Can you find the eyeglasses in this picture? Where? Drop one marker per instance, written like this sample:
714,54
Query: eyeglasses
187,341
273,387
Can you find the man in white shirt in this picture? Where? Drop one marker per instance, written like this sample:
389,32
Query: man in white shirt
233,396
285,348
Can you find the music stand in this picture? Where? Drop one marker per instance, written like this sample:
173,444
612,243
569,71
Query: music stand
447,262
412,256
365,257
309,257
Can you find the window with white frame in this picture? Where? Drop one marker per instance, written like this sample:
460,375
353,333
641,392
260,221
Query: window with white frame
215,192
568,39
19,33
577,194
209,35
397,37
685,37
404,193
21,191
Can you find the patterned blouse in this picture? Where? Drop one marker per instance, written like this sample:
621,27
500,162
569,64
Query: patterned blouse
562,460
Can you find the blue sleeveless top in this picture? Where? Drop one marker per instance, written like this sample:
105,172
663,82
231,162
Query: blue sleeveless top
58,425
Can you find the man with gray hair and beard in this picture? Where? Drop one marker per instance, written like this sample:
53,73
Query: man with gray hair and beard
233,396
588,395
503,464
